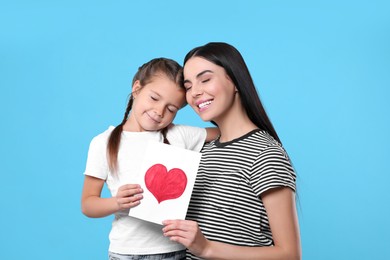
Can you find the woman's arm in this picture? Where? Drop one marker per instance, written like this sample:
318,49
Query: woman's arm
280,206
212,133
92,205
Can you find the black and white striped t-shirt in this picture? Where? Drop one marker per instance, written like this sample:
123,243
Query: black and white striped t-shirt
226,199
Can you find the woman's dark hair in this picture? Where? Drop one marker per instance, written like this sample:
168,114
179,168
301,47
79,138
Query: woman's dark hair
229,58
145,74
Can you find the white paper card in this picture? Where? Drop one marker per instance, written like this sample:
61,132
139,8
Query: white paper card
167,176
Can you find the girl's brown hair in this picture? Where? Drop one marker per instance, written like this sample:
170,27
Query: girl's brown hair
144,75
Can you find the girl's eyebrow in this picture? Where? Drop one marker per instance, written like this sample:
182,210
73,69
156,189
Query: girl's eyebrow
154,92
199,75
160,96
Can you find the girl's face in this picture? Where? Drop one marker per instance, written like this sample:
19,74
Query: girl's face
155,105
209,90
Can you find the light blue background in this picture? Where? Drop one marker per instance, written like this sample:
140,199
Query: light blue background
322,69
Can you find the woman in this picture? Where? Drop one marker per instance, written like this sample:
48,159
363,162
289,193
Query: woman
243,203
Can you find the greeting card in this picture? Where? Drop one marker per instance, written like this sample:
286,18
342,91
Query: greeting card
167,175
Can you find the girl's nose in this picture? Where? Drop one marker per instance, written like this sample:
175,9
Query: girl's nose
159,110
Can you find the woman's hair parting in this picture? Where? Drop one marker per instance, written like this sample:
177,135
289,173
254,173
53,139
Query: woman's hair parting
145,74
229,58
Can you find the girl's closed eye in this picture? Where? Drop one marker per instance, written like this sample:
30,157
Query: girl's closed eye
205,80
154,98
172,109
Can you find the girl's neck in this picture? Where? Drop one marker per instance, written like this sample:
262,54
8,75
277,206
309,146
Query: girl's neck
130,126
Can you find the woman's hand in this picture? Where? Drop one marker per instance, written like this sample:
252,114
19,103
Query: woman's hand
280,206
187,233
129,196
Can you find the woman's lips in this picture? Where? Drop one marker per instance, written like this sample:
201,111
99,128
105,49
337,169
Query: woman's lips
203,104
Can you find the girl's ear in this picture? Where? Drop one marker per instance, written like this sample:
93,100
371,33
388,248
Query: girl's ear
136,88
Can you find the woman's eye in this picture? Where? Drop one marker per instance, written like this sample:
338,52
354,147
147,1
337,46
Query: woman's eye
154,98
206,80
187,87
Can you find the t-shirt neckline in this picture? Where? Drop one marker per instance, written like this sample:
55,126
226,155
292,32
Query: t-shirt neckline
220,144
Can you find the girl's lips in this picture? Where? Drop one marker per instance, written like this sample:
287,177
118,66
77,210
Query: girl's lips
156,119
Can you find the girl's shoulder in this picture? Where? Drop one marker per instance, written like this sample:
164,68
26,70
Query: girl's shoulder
184,130
189,137
103,136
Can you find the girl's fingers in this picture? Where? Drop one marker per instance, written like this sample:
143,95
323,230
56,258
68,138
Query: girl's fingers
131,204
129,201
128,204
128,192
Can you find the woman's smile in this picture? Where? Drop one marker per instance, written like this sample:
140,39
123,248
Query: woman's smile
203,104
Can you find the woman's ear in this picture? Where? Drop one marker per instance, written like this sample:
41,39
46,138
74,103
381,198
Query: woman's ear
235,88
136,88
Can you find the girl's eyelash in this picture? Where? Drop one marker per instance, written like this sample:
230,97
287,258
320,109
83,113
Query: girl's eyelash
204,81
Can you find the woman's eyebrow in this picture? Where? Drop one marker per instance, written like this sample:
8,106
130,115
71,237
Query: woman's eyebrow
203,72
199,75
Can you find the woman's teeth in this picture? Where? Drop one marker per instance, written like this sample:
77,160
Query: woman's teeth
202,105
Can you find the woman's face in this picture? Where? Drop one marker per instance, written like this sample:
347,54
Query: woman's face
209,90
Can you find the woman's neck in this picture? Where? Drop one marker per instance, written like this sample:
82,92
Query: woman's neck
234,124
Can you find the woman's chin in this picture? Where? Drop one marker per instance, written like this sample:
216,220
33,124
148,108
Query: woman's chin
205,118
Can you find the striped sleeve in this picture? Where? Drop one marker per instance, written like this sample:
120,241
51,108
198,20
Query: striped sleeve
272,169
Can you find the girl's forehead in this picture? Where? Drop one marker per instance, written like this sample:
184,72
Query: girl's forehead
158,80
157,77
164,86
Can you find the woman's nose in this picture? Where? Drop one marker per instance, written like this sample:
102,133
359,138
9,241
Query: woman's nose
196,90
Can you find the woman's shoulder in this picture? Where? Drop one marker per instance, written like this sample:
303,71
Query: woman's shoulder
260,142
270,147
264,137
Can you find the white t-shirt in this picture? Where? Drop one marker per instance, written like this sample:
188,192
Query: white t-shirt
131,235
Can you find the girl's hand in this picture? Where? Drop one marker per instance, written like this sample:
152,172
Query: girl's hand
129,196
187,233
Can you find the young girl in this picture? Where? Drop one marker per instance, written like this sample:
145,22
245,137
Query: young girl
115,154
243,202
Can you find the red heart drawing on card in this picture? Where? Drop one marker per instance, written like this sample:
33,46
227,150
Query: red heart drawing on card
163,184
